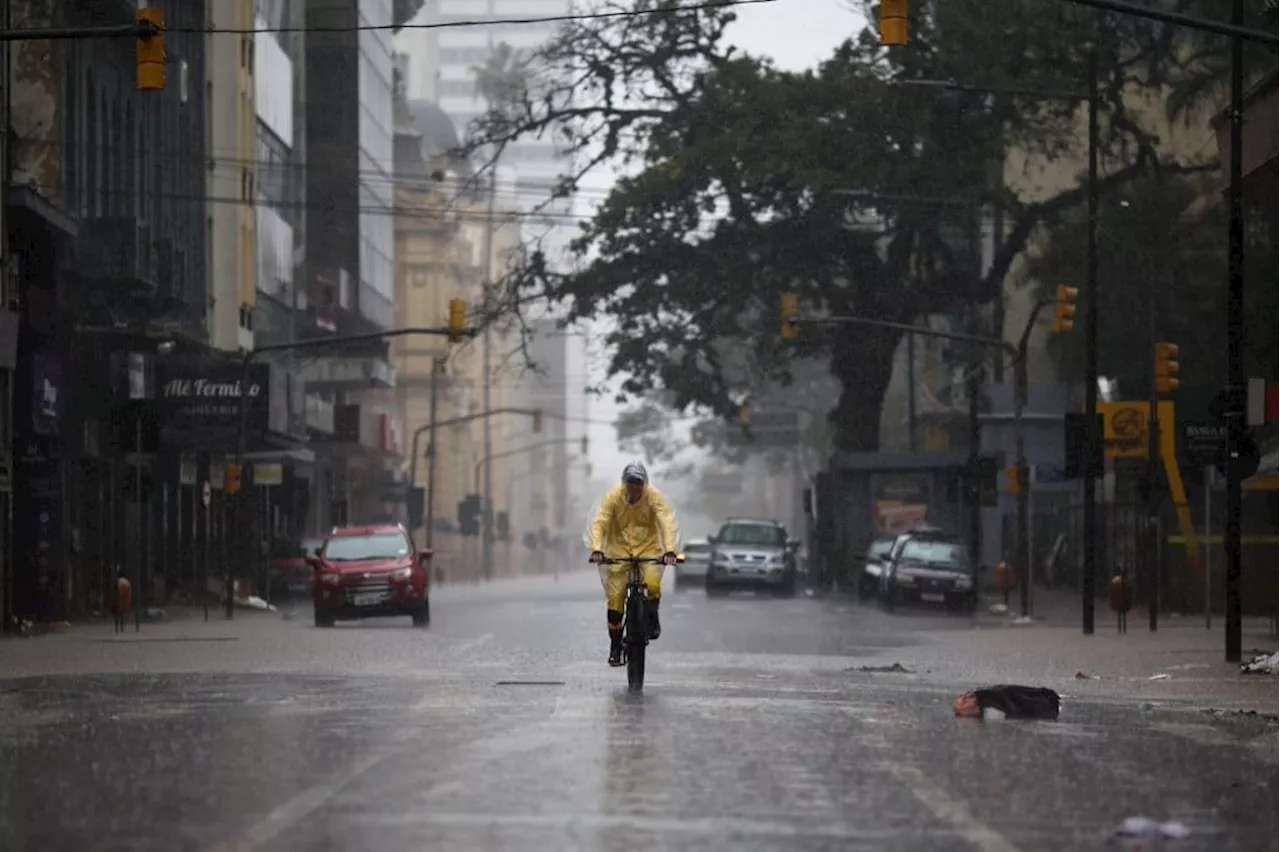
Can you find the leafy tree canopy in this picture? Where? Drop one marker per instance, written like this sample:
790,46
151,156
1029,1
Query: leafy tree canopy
841,184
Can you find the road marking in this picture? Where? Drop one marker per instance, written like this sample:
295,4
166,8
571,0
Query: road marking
951,811
296,809
471,645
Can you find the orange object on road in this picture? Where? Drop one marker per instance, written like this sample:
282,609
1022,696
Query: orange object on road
1006,576
1120,594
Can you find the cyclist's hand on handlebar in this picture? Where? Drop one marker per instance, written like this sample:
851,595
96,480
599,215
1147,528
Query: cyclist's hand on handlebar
668,558
596,557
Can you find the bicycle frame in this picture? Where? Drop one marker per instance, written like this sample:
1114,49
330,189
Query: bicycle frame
635,615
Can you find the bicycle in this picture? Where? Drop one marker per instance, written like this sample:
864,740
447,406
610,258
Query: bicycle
635,615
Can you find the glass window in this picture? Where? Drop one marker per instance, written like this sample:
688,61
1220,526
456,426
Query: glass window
763,535
355,548
935,553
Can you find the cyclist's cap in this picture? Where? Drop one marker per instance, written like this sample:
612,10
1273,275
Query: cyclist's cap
635,472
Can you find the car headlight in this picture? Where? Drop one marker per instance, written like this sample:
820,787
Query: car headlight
402,573
329,579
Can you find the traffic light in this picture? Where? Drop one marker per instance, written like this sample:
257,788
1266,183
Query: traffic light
457,321
1167,367
150,56
790,313
1064,309
893,22
232,477
537,421
744,414
584,445
469,515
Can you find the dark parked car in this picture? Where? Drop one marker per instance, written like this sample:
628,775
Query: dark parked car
929,567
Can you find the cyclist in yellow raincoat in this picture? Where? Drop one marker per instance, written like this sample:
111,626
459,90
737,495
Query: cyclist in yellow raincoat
634,520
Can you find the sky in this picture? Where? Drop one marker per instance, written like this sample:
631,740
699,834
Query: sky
795,34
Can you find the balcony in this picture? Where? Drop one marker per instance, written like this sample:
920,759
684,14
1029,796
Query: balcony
366,428
345,373
117,249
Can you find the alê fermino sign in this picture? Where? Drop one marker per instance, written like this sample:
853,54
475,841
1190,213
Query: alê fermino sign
204,394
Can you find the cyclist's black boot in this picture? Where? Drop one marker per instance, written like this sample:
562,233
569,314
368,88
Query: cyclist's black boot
655,627
615,638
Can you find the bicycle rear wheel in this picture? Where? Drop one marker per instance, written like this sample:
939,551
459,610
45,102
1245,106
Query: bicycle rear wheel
635,638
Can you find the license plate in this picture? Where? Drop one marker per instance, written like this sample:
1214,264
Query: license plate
933,597
367,598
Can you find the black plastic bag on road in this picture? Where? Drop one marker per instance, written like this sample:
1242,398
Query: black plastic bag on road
1011,702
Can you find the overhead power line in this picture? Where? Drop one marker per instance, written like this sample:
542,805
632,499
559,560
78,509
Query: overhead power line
674,9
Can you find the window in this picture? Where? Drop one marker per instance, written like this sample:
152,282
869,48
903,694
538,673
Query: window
935,553
357,548
760,535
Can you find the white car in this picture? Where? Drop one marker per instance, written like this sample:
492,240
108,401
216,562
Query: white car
693,571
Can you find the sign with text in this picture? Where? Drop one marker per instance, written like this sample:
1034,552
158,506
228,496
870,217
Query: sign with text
1204,443
203,395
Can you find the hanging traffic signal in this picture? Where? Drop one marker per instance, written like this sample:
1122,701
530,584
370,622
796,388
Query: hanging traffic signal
149,73
457,320
584,445
893,22
1167,368
1064,309
1012,479
744,414
537,421
790,313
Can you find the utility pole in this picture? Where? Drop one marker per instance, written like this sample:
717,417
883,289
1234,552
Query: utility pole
1234,416
437,367
1089,509
486,508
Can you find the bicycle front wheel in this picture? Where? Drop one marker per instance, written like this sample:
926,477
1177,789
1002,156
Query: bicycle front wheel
636,638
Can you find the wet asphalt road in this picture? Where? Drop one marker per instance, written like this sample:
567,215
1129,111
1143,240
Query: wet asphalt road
500,728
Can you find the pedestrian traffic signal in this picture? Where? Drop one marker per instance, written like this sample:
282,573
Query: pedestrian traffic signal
893,22
150,51
790,314
457,319
537,421
1166,367
232,477
1064,309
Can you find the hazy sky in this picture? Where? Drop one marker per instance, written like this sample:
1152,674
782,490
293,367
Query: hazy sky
796,34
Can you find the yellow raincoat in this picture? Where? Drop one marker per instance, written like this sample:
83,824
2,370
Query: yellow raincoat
647,528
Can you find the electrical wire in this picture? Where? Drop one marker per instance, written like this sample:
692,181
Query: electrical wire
673,9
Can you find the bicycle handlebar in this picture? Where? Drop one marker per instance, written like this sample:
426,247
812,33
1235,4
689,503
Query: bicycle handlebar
636,560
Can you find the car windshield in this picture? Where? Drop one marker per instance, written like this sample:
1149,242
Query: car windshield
696,549
946,555
880,548
753,534
353,548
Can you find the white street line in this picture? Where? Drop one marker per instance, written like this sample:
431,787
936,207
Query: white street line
951,811
472,644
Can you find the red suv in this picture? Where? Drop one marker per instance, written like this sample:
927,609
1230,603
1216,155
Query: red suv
363,572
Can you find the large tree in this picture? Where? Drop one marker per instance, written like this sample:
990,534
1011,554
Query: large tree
741,182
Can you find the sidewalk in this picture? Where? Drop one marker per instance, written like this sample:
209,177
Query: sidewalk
1181,662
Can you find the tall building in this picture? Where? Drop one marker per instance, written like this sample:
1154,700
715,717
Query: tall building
350,277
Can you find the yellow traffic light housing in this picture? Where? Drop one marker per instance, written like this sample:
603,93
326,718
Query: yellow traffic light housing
458,321
1012,479
893,22
232,477
1064,309
150,76
1167,368
744,414
790,314
537,422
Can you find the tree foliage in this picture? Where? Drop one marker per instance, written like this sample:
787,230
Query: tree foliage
861,194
